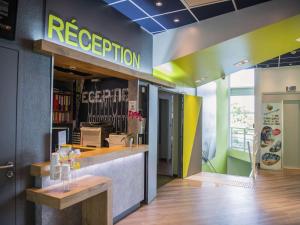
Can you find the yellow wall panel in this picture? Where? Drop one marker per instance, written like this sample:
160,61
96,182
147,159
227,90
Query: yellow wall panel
192,112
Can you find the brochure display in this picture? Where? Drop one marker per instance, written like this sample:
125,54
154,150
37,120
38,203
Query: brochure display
271,137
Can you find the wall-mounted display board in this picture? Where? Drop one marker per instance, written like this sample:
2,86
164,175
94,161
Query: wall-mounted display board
271,136
105,101
8,14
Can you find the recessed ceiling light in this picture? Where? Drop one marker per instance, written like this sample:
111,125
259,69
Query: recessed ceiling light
240,63
158,4
298,39
176,20
202,79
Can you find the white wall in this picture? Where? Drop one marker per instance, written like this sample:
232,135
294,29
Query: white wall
273,80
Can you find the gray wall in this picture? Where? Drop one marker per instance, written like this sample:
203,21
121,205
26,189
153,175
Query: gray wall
33,113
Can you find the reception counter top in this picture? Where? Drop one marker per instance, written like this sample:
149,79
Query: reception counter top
91,156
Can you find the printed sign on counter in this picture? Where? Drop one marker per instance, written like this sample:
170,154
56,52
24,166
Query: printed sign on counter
271,137
132,106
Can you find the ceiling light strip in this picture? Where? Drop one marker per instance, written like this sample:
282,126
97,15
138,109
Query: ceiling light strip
146,30
157,32
147,14
120,1
234,5
188,8
162,14
143,18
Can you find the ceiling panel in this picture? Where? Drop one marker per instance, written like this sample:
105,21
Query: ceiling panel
289,59
213,10
247,3
290,64
152,9
130,10
166,11
150,25
295,53
176,19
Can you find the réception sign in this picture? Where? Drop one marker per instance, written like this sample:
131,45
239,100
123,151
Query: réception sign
72,34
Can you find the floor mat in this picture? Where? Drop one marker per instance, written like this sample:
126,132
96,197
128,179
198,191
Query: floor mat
223,179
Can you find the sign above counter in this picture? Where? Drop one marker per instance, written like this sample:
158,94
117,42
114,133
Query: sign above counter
8,14
72,34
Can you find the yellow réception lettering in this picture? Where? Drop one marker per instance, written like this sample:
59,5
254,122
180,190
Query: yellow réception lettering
122,54
128,54
136,60
96,43
106,46
57,28
82,33
117,48
70,33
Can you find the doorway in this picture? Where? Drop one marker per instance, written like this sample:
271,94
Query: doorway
164,137
169,137
8,122
291,150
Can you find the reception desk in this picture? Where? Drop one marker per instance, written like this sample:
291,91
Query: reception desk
124,165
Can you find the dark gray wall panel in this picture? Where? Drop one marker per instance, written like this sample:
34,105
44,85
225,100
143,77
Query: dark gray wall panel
33,116
34,85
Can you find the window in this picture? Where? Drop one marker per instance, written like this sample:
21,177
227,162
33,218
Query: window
241,109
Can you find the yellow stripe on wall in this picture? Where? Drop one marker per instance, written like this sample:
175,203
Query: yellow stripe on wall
192,109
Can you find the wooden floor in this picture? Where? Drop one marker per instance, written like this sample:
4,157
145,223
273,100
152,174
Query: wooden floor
273,199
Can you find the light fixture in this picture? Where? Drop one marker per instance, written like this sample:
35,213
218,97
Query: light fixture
158,3
176,20
240,63
298,39
202,79
293,52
